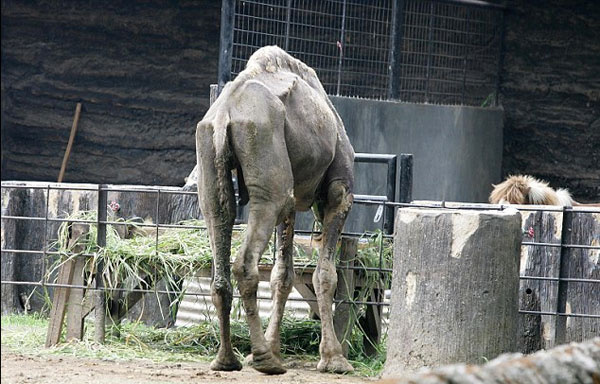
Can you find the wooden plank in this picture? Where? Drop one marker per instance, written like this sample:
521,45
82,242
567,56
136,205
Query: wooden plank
59,304
371,323
75,301
99,316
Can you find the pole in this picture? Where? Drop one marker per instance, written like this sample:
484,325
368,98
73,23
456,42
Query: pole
63,167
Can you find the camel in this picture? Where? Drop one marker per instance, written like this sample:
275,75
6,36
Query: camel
524,189
275,126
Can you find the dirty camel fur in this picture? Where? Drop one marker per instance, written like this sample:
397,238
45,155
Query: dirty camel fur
275,126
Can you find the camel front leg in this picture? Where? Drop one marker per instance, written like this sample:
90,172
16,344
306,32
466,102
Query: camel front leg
339,201
282,280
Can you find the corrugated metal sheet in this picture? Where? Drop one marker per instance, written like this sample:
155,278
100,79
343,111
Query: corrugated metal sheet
196,309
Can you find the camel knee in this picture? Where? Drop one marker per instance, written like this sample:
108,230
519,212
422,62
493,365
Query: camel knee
338,195
247,278
282,280
221,290
326,277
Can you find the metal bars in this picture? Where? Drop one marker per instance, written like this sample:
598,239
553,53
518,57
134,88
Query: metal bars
563,279
425,51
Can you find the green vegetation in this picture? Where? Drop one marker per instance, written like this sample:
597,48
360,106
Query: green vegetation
177,253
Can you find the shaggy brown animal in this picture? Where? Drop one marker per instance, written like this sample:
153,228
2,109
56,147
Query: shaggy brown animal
524,189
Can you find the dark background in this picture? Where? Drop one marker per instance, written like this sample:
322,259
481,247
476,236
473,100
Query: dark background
142,71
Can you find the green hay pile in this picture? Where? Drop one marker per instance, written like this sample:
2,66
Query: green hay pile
179,252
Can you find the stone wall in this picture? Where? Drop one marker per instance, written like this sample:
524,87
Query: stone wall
550,92
141,70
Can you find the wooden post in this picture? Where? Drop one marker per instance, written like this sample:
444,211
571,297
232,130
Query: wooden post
75,316
100,295
455,287
62,295
529,330
59,304
344,316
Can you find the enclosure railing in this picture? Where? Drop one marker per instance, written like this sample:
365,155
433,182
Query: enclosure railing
424,51
562,279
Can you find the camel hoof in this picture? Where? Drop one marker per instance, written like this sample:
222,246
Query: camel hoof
266,363
231,364
335,364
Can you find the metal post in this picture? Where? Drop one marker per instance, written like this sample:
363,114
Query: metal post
563,273
396,49
287,24
429,51
391,194
341,48
100,295
406,178
500,57
44,279
226,50
465,61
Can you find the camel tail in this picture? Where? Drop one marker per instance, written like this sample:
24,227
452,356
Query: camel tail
223,156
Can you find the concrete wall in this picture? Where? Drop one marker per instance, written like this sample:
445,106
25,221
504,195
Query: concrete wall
457,150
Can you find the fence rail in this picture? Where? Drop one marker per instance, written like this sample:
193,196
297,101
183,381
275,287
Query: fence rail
562,279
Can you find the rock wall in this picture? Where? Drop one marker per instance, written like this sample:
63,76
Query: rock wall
141,69
550,91
573,363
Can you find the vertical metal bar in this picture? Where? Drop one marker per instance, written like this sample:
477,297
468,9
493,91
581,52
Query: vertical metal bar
429,51
45,243
396,46
155,272
466,50
288,17
563,272
406,178
157,221
391,194
341,48
502,27
226,50
100,295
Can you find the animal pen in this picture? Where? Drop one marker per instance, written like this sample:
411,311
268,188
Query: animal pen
560,282
437,52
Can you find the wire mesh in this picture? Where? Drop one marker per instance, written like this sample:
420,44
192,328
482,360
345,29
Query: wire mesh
449,52
345,41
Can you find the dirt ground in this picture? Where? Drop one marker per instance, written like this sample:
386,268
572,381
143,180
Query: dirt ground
18,369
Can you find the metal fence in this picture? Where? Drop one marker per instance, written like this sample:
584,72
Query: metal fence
425,51
561,282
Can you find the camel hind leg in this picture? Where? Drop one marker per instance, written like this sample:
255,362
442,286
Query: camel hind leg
261,220
219,215
337,206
